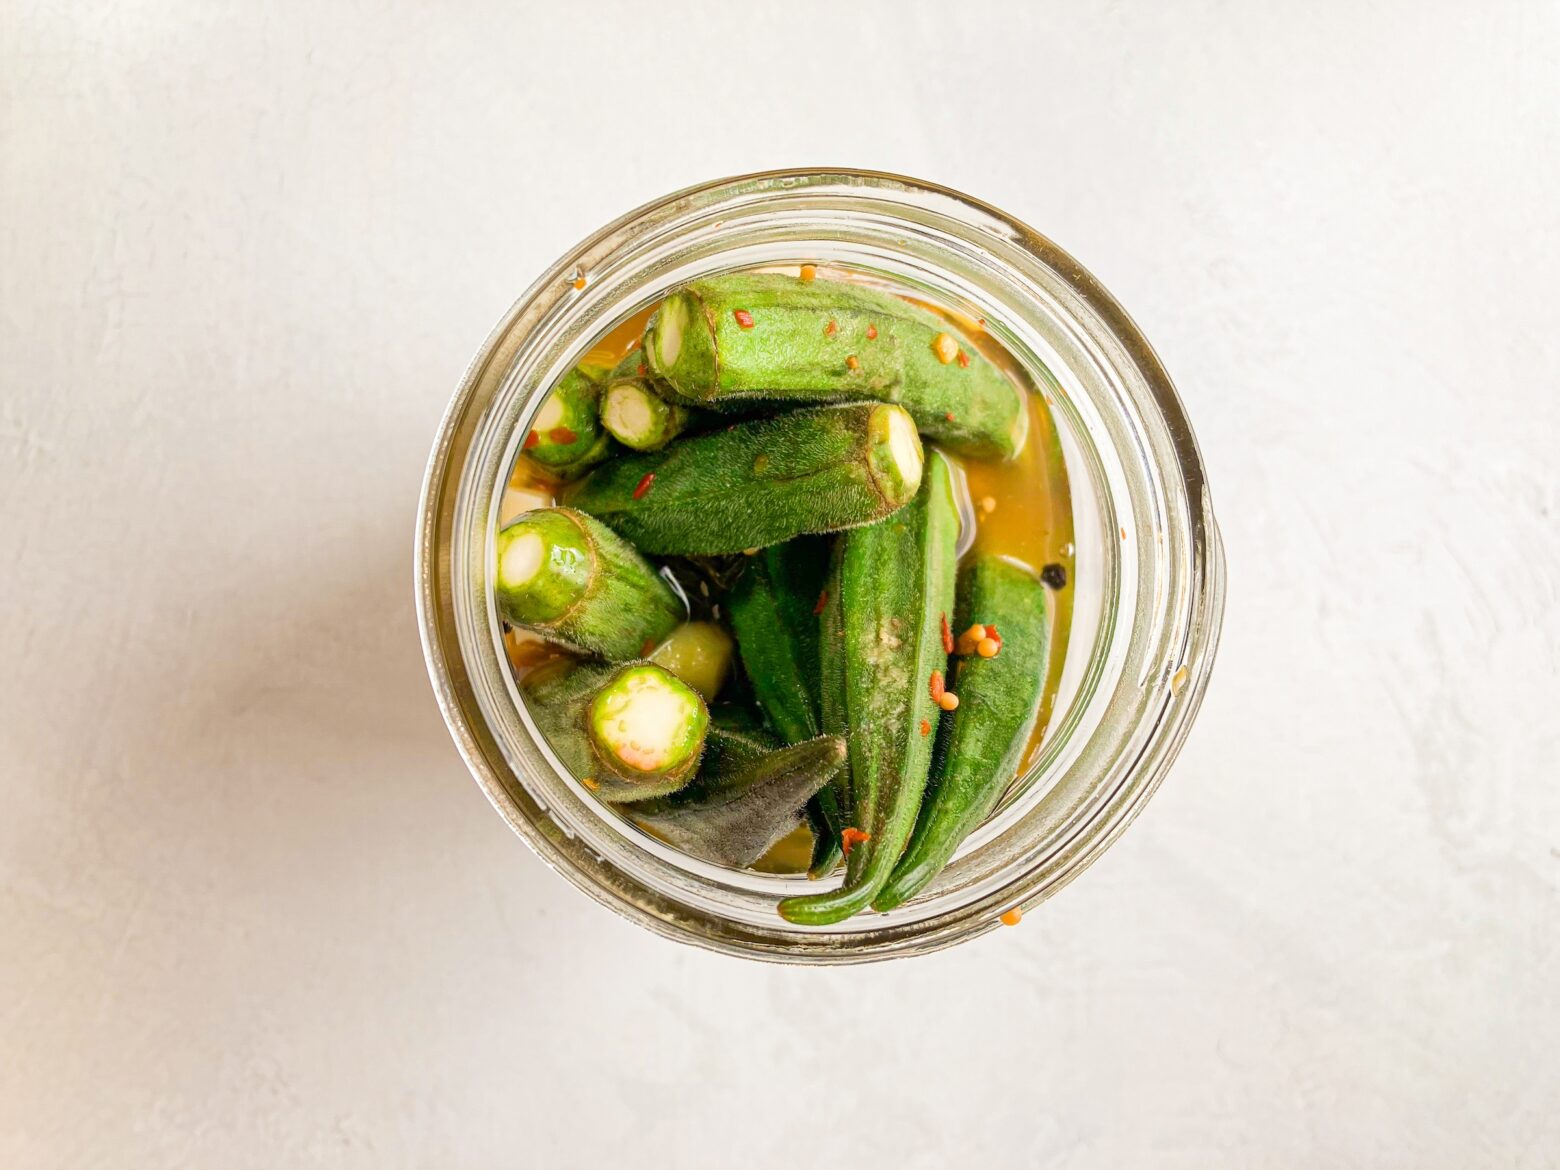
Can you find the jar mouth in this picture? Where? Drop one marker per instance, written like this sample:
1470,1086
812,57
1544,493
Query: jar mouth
1142,513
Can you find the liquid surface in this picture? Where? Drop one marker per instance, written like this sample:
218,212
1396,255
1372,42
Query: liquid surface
1022,510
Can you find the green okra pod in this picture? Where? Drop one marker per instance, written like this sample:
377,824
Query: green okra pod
760,482
566,436
627,733
635,414
896,585
735,739
983,741
726,339
573,580
739,819
773,610
774,613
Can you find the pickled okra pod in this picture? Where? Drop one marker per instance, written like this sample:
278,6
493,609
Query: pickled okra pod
574,581
566,437
896,584
635,414
726,339
999,682
627,733
737,819
759,482
774,611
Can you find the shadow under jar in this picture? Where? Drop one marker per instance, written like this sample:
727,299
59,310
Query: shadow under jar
1147,572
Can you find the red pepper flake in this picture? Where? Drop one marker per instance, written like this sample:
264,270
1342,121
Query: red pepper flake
831,328
947,636
871,332
926,727
532,440
644,651
981,321
850,837
938,689
562,436
949,416
823,600
851,363
744,318
991,632
1123,534
1012,917
579,282
642,369
644,484
963,360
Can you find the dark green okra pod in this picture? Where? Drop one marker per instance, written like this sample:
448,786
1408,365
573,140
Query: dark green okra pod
573,580
759,483
983,740
736,820
774,611
896,582
725,339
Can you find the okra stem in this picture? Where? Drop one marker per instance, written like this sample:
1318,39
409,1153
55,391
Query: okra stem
626,733
573,580
635,414
566,435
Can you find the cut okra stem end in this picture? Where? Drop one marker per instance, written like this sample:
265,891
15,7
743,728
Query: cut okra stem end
543,567
680,346
895,455
639,418
648,723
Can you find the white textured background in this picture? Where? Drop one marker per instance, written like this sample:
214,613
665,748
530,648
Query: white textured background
253,913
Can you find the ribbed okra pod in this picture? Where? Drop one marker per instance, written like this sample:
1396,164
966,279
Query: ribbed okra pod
774,611
725,339
896,581
760,482
983,741
573,580
737,819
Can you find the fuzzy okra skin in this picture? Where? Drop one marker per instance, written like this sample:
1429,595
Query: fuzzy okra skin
896,581
634,414
571,579
627,733
735,739
983,741
566,435
738,821
747,335
760,482
773,610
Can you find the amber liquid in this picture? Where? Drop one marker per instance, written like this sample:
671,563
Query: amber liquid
1022,509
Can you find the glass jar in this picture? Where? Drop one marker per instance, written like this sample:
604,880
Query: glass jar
1148,581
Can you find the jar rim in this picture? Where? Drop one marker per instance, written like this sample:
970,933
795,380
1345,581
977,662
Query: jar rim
1175,540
